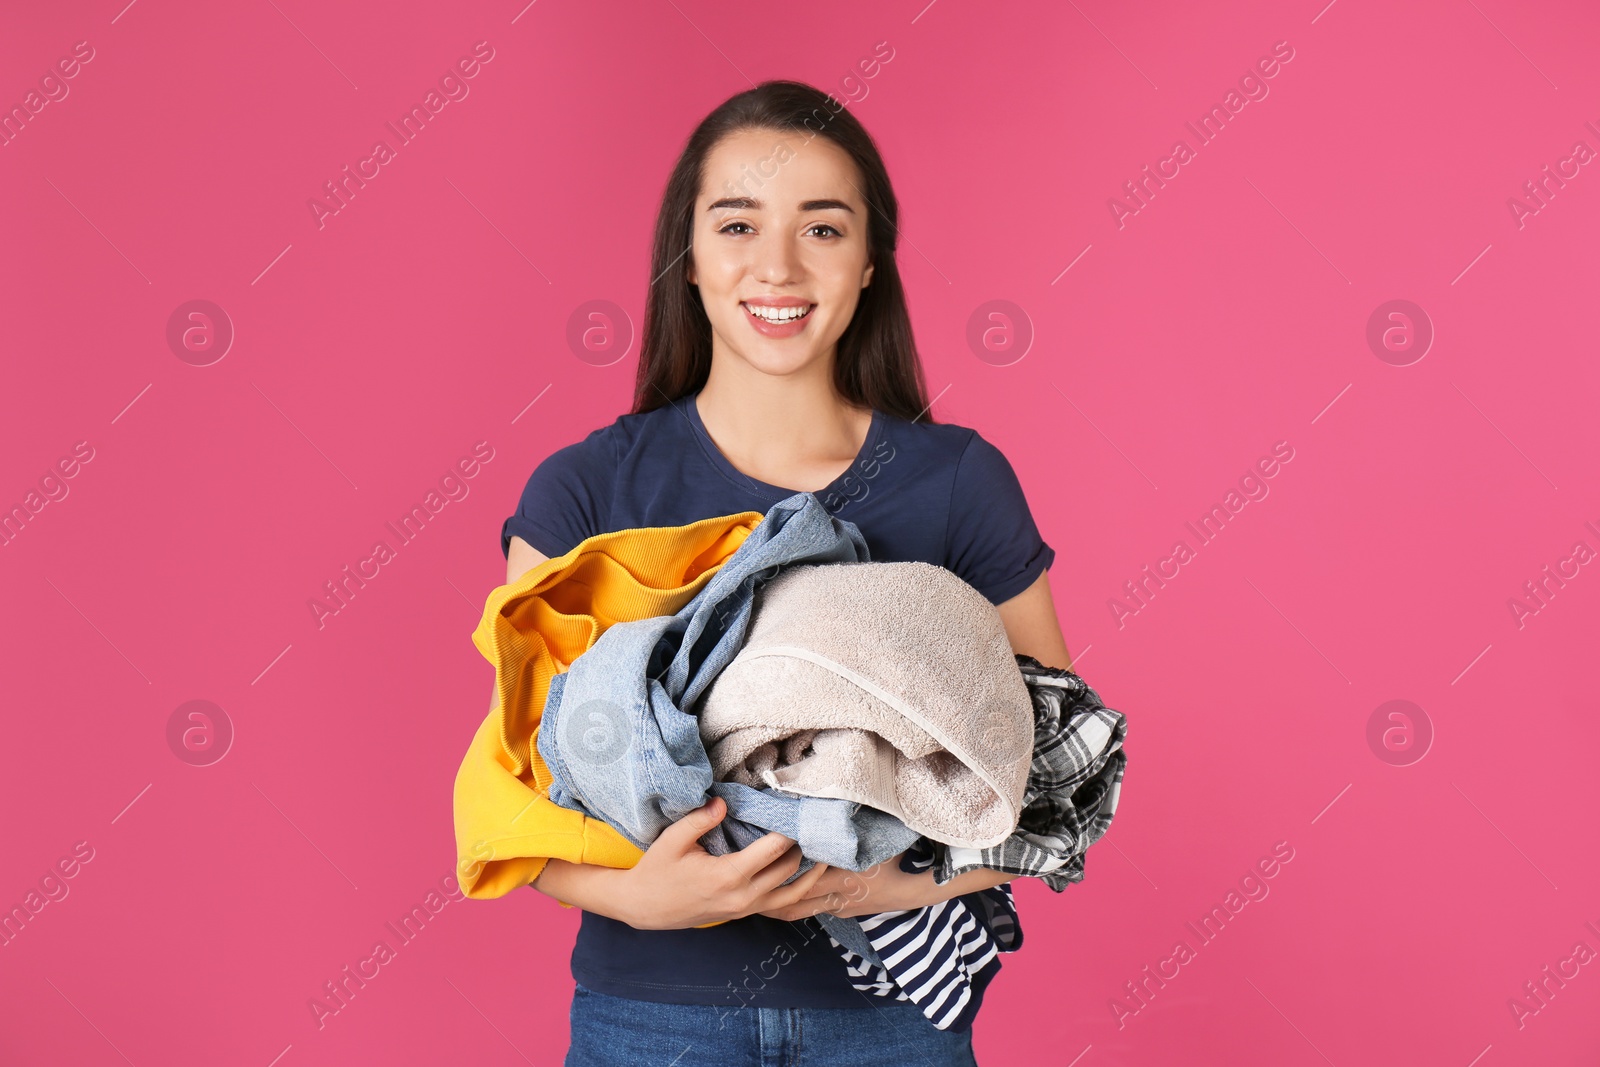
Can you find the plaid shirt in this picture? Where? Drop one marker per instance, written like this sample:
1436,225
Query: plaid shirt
1071,794
941,957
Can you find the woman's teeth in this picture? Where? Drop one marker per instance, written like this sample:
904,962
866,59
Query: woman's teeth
772,314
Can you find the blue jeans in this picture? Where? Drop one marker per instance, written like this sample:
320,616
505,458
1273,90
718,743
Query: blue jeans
610,1031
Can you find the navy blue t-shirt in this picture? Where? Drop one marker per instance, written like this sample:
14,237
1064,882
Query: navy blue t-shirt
937,493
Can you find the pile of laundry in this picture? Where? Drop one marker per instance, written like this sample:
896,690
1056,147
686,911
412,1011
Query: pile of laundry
866,710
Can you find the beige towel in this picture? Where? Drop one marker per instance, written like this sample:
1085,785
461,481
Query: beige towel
890,684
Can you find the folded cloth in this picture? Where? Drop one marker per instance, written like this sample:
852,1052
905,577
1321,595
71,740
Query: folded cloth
943,956
1078,764
622,743
889,684
506,827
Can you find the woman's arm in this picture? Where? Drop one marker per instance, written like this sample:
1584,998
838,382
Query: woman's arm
1031,624
521,558
678,884
602,890
884,887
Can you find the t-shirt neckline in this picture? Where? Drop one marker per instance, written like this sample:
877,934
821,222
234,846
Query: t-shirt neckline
778,492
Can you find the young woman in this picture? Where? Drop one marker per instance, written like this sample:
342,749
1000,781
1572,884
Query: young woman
777,357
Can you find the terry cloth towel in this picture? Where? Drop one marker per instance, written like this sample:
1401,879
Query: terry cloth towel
506,827
891,685
941,957
1078,764
619,733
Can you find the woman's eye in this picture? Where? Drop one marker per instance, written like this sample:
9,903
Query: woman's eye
831,231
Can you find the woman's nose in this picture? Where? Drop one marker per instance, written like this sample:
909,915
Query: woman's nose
777,261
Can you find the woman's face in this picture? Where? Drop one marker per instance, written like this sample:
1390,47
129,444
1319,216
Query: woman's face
779,223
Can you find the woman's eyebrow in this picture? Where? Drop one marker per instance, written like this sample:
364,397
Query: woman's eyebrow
750,203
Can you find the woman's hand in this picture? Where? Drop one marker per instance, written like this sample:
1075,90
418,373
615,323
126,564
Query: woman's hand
678,884
884,887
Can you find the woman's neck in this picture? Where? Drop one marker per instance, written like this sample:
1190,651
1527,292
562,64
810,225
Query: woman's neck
794,431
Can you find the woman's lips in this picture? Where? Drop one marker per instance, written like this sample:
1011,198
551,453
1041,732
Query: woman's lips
776,329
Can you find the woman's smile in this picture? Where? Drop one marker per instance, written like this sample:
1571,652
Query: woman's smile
777,319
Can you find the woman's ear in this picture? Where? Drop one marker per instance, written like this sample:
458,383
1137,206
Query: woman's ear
866,276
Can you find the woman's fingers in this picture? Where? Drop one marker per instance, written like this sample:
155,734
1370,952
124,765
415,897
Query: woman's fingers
799,890
771,876
785,901
801,887
752,862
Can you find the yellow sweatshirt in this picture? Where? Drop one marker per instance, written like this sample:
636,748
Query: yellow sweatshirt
506,824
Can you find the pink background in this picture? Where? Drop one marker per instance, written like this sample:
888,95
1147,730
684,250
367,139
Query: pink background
1228,314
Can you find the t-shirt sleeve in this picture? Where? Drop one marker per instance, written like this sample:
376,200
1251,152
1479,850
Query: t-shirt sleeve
567,498
992,542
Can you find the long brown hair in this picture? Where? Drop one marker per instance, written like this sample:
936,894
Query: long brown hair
876,363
